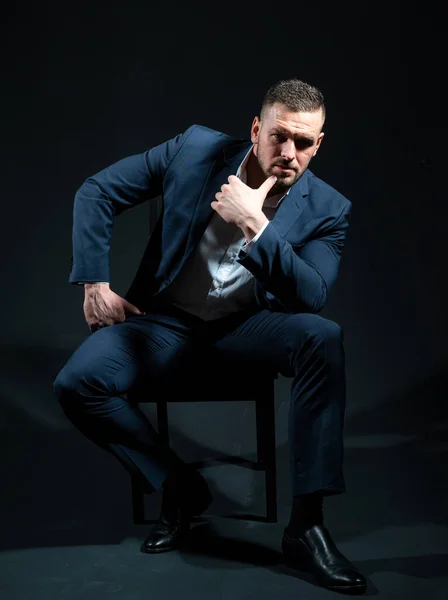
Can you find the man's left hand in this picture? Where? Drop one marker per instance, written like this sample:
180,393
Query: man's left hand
238,203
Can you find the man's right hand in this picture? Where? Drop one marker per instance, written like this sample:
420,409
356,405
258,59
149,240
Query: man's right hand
103,307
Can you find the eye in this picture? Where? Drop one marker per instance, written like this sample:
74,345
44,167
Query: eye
279,137
303,143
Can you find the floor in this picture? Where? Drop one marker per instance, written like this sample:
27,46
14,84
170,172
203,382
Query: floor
66,519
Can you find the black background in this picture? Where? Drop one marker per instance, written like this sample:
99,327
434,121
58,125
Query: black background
85,84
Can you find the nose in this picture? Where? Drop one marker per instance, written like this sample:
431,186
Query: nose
288,150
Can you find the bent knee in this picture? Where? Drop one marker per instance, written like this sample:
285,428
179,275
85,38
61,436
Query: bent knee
317,328
327,330
66,384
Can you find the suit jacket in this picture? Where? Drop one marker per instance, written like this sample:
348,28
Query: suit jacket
294,262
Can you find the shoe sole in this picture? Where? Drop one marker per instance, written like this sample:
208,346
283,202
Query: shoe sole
157,550
293,569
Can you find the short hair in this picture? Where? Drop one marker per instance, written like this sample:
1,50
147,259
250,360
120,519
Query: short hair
295,94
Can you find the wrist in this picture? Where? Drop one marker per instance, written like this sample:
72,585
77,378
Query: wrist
252,225
100,285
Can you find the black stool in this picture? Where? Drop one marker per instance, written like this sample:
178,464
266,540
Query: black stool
189,385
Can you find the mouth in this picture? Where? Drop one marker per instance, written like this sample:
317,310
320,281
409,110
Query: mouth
284,169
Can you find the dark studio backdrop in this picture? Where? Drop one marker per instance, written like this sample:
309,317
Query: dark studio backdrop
85,85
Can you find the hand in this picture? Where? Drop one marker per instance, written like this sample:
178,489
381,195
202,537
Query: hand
238,203
103,307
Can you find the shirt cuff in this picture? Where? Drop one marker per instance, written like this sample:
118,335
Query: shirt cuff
248,245
84,282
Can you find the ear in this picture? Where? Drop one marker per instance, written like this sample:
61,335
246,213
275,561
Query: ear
319,140
255,130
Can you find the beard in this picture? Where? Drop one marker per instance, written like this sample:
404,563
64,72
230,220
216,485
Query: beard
284,180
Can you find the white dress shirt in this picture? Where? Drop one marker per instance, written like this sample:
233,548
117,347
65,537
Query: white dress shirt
212,284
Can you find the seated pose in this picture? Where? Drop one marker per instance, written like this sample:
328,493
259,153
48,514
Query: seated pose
243,256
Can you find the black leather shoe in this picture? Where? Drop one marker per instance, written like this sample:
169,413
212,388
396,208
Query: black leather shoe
176,514
166,535
316,552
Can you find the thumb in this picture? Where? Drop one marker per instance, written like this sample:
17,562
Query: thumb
130,308
267,185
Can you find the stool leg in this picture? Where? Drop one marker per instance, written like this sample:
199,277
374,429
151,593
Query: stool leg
138,495
266,450
162,422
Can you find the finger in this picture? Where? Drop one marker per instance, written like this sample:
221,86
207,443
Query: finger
234,180
130,308
267,185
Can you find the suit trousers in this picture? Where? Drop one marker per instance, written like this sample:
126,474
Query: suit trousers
92,385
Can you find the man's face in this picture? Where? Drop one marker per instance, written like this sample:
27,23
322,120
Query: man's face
285,142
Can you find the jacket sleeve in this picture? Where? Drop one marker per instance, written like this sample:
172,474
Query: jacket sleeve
297,279
105,195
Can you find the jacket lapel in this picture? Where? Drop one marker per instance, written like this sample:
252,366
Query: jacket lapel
291,207
226,164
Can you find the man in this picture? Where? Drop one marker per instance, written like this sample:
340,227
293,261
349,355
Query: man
243,256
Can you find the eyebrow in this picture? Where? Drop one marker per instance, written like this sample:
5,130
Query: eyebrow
299,136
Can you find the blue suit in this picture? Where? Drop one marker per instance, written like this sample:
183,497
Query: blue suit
294,262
